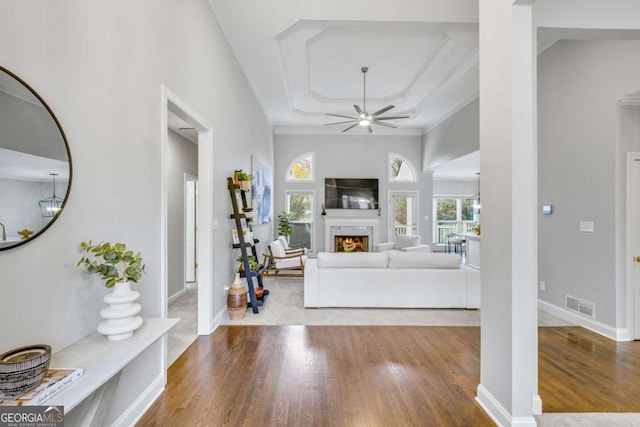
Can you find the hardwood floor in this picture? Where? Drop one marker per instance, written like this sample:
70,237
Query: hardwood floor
581,371
378,376
325,376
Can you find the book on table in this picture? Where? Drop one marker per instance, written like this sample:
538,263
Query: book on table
56,380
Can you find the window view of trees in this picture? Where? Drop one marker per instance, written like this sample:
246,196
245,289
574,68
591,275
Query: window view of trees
300,205
453,216
447,209
401,170
401,210
302,169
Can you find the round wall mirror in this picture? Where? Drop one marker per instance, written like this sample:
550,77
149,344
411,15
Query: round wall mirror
35,163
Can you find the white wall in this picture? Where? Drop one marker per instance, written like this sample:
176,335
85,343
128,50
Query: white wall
100,67
353,156
578,85
455,188
183,158
455,137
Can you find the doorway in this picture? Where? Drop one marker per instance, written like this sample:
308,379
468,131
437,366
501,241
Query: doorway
403,218
628,135
172,104
190,230
633,243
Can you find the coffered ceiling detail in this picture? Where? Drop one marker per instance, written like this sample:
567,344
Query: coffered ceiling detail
302,65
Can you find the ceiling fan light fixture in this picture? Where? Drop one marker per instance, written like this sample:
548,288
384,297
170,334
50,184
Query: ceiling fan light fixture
363,118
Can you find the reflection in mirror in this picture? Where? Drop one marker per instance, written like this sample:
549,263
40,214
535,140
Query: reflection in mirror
33,148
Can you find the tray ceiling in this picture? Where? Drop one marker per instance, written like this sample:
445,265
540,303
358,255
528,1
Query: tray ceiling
303,62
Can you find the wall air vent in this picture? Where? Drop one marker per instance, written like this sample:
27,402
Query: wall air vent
585,308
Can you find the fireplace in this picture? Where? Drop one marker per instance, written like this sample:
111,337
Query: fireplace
351,243
363,232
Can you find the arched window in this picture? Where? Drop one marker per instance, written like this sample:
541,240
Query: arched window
301,169
401,169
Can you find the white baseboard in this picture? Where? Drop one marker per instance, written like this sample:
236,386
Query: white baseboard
617,334
492,407
217,320
142,403
498,414
177,295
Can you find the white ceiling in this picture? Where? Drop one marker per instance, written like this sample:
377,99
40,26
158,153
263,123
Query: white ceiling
303,59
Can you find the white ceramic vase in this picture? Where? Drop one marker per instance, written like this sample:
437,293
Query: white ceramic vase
121,316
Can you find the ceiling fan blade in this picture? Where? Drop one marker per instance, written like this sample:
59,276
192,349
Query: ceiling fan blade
392,117
341,115
384,124
360,112
351,127
340,123
369,129
383,110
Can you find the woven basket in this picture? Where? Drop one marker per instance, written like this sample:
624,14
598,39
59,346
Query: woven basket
23,369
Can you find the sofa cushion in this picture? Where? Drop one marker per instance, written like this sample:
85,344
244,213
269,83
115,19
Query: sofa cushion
423,260
353,260
406,241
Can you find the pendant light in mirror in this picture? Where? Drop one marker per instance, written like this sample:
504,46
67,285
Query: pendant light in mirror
51,205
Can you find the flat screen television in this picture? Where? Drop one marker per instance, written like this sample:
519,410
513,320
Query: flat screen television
351,193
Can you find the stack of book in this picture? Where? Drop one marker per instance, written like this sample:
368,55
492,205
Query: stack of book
53,383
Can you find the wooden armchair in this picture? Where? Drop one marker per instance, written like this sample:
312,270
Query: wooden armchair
282,263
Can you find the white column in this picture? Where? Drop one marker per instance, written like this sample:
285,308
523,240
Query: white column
524,198
508,379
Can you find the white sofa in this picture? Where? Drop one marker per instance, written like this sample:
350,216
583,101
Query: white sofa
403,243
393,279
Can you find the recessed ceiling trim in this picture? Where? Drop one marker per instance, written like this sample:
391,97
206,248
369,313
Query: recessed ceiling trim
317,130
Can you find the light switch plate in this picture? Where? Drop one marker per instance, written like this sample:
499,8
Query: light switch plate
586,226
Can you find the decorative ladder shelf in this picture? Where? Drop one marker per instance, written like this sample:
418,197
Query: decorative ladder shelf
254,301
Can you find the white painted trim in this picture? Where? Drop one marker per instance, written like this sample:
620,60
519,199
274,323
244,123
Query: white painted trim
631,247
492,407
217,319
409,163
138,408
176,295
312,180
498,413
318,130
629,101
189,178
617,334
314,223
170,101
416,211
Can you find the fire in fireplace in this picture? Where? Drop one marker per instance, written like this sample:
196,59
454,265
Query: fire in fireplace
351,243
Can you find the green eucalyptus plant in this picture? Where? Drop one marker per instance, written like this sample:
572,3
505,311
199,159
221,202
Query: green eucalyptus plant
113,262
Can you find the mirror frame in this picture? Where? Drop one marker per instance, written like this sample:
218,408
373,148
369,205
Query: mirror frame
66,144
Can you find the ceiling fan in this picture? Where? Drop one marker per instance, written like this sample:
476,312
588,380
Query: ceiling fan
364,118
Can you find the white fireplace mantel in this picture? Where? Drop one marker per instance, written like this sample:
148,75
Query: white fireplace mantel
358,226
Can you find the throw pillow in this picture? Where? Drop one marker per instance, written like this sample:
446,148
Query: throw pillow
406,241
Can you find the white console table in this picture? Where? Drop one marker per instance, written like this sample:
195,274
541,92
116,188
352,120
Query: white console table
103,361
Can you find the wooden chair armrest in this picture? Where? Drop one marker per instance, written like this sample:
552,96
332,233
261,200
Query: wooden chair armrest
296,255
